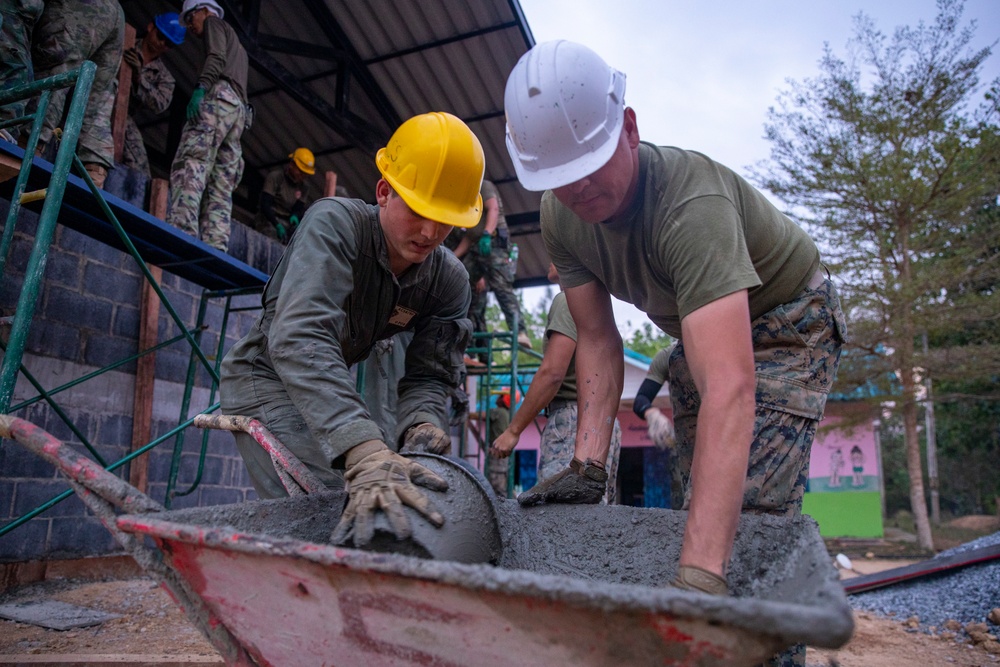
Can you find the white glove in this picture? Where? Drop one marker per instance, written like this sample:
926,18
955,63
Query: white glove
661,429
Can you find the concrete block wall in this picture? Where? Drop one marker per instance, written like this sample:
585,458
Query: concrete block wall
86,317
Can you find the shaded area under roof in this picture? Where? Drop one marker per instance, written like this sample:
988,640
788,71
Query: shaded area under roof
338,76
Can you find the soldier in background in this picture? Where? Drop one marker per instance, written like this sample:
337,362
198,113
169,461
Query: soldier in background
485,251
152,83
209,160
286,196
68,33
17,21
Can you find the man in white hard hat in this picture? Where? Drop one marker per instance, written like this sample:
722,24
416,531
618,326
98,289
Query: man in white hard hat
286,195
208,164
712,263
352,275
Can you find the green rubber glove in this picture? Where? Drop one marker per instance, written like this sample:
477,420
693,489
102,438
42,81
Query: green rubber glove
196,97
282,234
485,244
294,220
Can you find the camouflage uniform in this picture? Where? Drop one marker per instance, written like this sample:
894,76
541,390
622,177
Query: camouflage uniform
68,33
559,442
208,164
498,269
17,20
152,90
796,353
497,469
208,167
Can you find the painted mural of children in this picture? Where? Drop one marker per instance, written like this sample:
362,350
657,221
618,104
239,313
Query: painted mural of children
858,466
836,463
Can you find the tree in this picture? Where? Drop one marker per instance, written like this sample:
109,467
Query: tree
648,341
890,156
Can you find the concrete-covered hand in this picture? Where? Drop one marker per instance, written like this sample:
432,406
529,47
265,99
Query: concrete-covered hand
693,578
196,97
661,429
582,483
378,478
504,445
426,437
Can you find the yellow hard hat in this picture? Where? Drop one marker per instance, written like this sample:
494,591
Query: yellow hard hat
304,160
435,164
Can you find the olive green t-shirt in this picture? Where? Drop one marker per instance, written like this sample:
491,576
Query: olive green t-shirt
560,321
659,369
695,232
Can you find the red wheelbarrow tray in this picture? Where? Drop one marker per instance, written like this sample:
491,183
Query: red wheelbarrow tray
580,585
574,585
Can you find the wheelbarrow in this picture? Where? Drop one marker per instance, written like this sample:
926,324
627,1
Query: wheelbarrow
580,585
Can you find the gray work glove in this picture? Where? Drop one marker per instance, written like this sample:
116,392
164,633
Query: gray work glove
582,483
661,429
380,479
693,578
426,437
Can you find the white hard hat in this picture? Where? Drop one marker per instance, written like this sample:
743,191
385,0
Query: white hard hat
565,108
191,5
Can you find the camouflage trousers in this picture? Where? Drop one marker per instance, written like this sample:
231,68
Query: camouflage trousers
68,33
208,167
17,21
133,149
796,354
559,443
499,273
498,470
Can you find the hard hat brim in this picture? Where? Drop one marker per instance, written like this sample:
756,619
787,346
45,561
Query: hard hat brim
561,175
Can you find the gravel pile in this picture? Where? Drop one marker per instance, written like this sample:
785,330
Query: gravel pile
966,595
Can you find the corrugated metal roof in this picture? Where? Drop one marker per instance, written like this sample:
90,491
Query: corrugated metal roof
401,58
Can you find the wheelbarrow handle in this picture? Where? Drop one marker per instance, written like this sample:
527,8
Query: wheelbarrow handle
78,468
295,476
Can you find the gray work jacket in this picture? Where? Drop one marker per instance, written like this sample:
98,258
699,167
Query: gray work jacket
331,297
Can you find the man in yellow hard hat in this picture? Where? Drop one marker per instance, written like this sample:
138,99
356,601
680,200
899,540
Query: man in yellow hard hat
287,194
353,274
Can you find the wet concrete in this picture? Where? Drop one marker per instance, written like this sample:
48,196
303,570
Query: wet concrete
612,557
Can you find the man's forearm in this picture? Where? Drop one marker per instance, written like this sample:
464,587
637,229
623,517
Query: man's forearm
543,389
600,375
718,472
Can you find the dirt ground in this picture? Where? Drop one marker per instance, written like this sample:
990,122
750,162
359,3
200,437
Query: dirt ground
151,630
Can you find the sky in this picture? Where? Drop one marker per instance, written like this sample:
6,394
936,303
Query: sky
702,75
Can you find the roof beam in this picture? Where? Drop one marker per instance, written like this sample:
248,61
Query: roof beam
356,66
363,134
441,42
298,48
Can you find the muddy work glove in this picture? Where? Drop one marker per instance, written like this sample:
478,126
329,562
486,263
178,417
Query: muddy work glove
582,483
661,429
693,578
192,108
426,437
380,479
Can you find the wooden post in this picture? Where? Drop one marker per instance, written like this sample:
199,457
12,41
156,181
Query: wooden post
120,111
145,372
